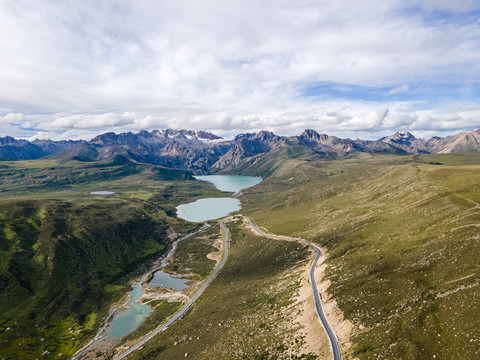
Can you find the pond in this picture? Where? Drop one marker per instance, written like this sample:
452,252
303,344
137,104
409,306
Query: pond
233,183
174,282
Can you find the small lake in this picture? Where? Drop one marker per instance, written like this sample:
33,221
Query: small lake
174,282
233,183
208,209
216,208
102,192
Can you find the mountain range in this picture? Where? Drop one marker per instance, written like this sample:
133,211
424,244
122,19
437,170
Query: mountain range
11,148
204,152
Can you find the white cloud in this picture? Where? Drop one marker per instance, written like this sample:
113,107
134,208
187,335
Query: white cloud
12,118
77,69
365,120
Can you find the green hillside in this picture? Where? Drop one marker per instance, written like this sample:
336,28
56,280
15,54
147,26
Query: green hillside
401,234
66,255
402,239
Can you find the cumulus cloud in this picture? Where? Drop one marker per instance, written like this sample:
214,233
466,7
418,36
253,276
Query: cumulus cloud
77,69
365,120
12,118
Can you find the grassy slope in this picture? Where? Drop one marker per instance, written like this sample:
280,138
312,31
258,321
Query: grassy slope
246,312
65,254
402,235
191,254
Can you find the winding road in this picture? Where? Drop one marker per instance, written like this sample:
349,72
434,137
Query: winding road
332,338
335,348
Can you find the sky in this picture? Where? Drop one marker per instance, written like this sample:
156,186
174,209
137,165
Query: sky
358,69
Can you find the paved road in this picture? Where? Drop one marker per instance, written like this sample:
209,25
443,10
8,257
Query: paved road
186,307
337,355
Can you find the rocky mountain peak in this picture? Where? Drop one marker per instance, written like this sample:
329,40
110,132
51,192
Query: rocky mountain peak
407,142
8,140
400,138
104,138
205,135
310,134
244,136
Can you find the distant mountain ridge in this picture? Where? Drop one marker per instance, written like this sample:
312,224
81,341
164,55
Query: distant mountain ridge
12,148
463,142
204,152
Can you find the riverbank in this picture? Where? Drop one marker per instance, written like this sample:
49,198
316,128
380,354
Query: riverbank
102,344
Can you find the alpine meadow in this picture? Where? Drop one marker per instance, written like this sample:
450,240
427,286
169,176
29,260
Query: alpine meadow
240,180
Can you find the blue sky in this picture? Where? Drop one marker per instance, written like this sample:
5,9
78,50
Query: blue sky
348,68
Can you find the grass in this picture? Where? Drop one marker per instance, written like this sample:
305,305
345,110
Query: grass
66,255
401,233
402,237
191,254
246,312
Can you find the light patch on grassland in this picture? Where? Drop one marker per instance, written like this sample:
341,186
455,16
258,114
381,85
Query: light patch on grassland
42,212
216,255
38,258
138,194
90,320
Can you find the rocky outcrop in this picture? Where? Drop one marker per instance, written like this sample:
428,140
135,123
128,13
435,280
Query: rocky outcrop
325,143
248,146
464,142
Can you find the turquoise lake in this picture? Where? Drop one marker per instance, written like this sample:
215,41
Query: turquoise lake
126,321
174,282
216,208
233,183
